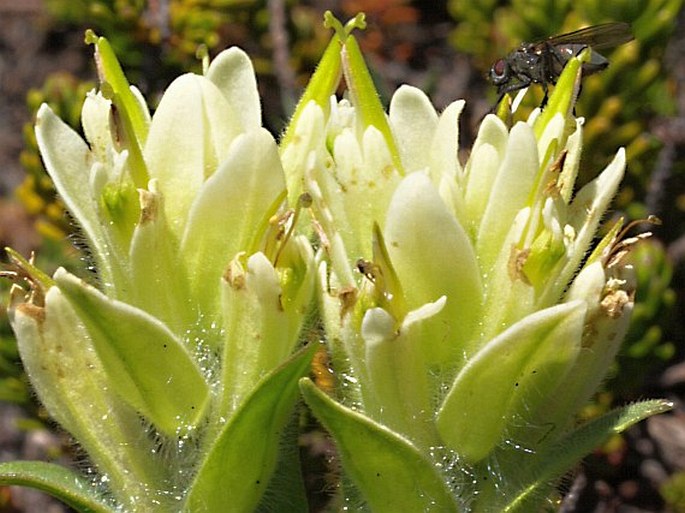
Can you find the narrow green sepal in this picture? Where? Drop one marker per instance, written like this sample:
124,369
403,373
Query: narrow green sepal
31,270
553,460
237,469
565,93
149,367
326,78
110,72
129,115
603,247
330,21
392,474
321,86
60,482
503,108
365,97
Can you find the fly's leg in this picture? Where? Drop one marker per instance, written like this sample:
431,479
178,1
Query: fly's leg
545,88
522,82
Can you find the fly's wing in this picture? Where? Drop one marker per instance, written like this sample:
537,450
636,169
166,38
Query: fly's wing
596,37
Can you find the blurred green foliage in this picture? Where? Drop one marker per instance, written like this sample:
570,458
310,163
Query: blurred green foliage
158,40
673,492
164,34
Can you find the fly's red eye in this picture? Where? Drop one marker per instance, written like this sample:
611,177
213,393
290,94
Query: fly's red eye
499,73
499,67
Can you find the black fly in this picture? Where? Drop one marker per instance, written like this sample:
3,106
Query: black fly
543,61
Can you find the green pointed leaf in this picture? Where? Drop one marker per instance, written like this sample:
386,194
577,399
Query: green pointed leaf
239,465
555,459
146,363
286,490
505,379
564,96
392,474
321,86
110,71
365,97
130,113
60,482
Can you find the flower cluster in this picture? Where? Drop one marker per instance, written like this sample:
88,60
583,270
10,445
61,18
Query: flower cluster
466,317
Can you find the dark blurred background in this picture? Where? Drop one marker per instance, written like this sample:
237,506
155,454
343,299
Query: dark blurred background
443,47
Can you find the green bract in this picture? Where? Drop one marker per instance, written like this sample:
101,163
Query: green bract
466,316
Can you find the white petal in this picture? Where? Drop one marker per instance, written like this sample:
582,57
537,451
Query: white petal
510,193
445,145
232,72
433,257
96,124
413,120
190,134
